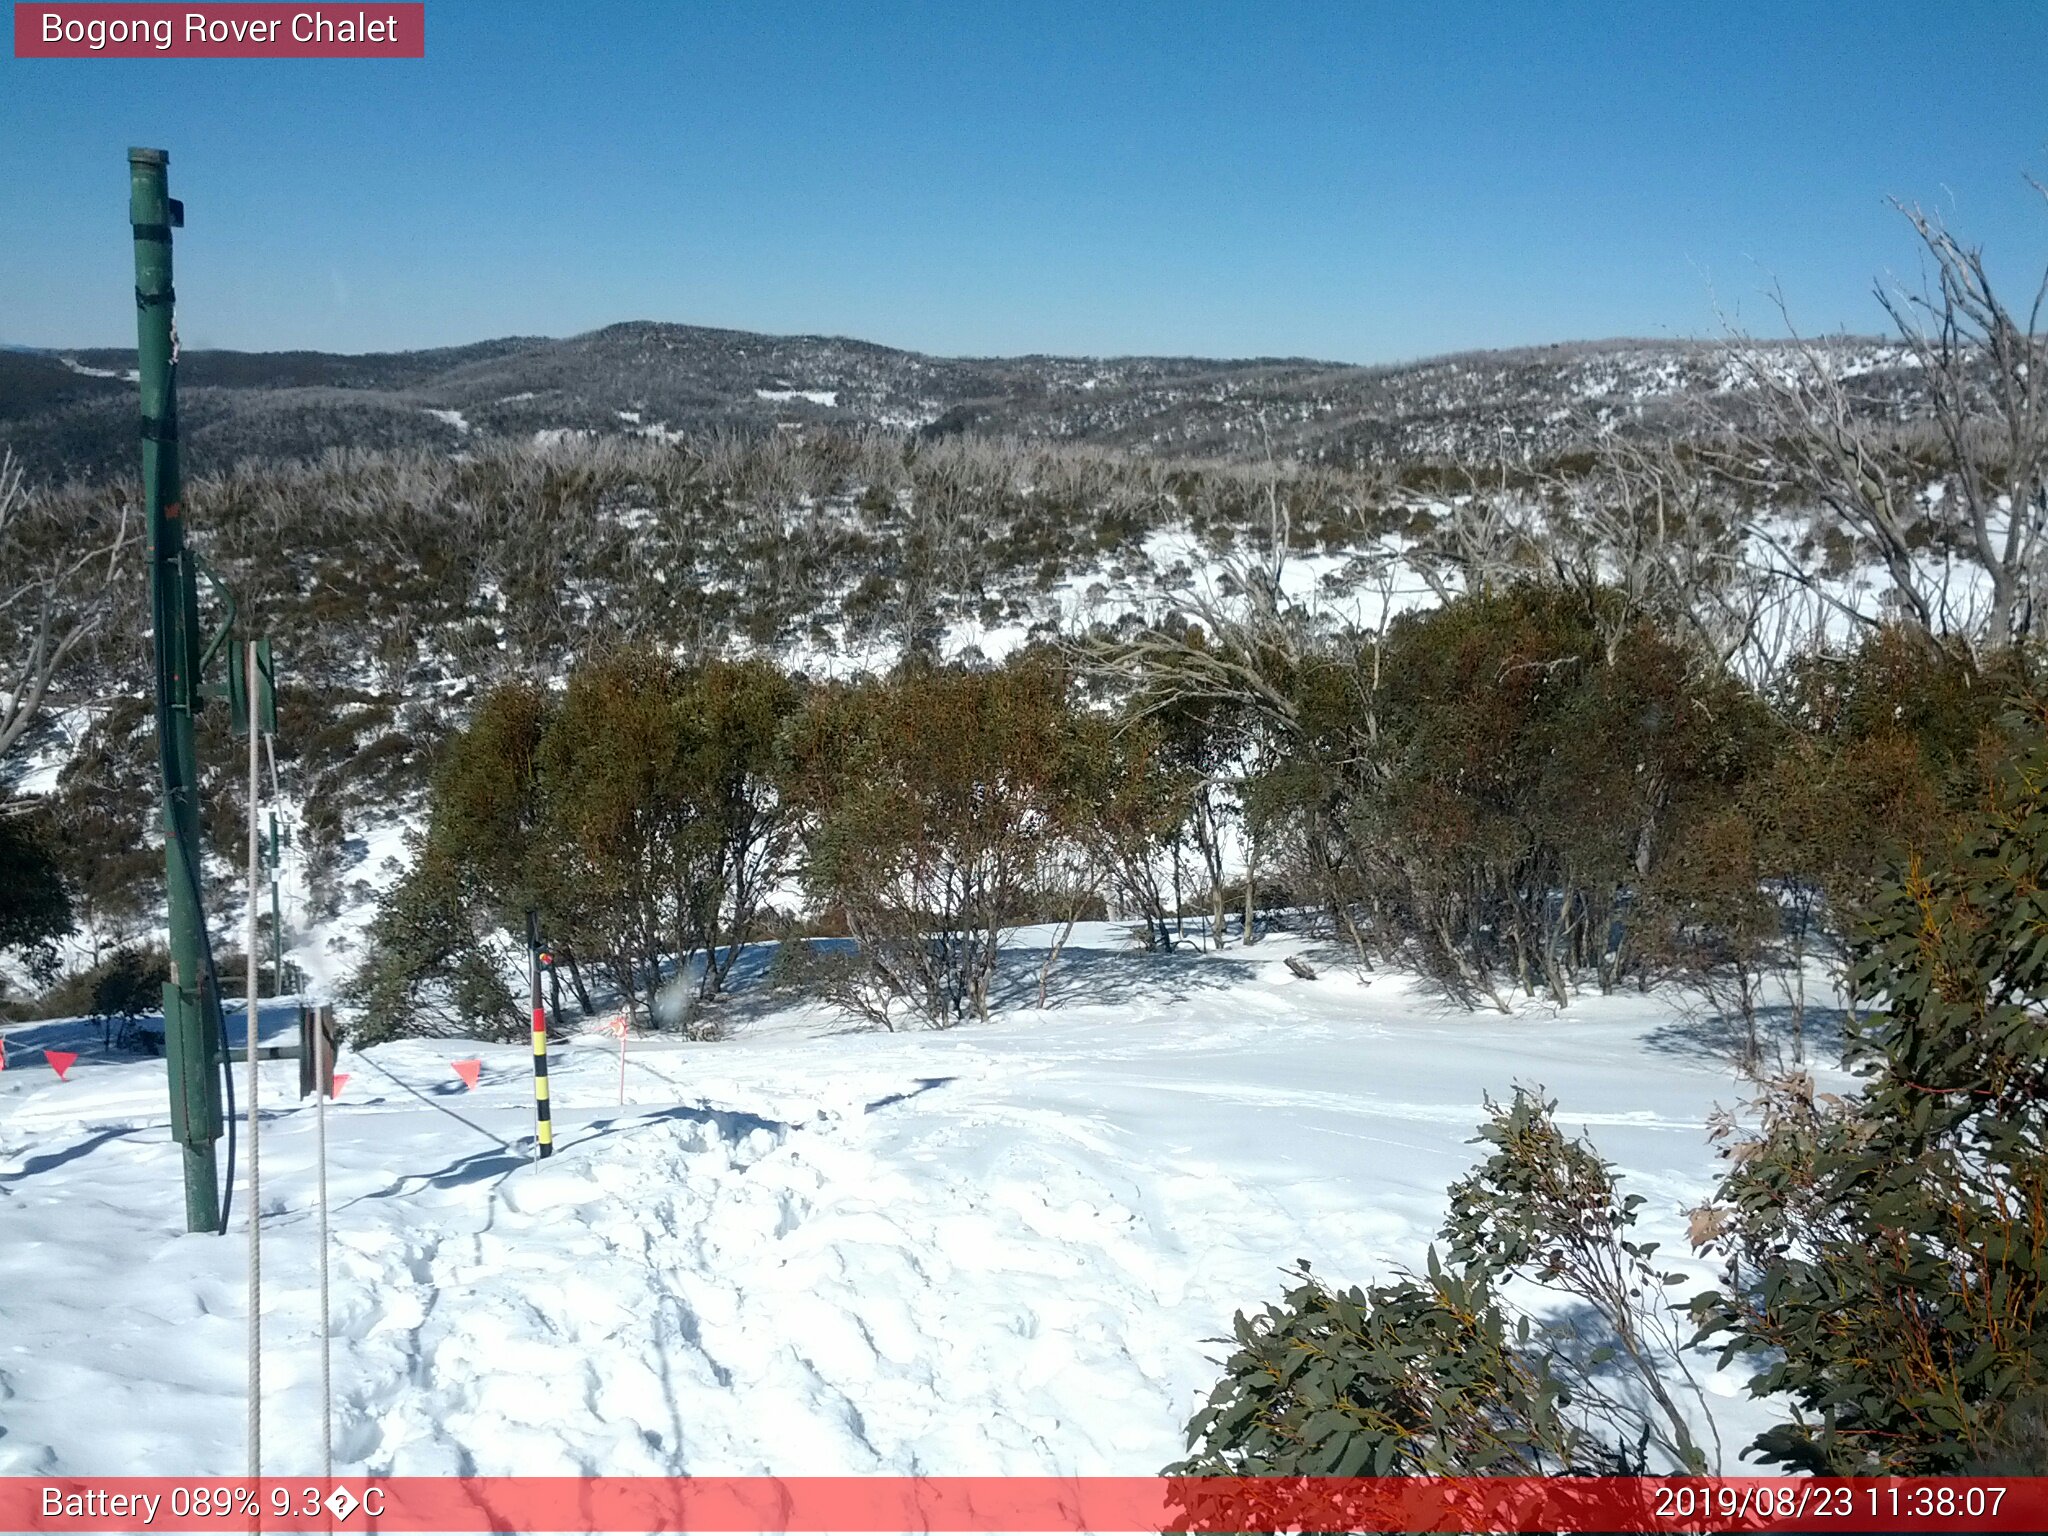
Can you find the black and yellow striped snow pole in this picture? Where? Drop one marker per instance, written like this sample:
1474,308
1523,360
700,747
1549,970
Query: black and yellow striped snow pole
543,1123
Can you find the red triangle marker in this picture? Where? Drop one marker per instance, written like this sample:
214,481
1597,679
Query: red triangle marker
339,1079
61,1061
467,1070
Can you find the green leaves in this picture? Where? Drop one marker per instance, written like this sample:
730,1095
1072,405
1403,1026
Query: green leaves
1400,1378
639,812
1435,1374
932,803
1886,1256
35,907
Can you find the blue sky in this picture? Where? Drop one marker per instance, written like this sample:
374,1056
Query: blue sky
1361,181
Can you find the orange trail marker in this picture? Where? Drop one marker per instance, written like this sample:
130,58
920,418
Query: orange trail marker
61,1061
467,1071
615,1026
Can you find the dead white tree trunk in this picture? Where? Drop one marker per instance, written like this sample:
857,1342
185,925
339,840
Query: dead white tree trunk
1984,368
51,602
1981,368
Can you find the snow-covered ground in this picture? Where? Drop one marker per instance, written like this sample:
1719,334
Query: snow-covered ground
1005,1248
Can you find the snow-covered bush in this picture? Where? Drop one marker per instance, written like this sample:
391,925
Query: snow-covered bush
430,966
1445,1373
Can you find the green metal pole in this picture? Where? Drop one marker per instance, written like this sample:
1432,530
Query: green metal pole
194,1040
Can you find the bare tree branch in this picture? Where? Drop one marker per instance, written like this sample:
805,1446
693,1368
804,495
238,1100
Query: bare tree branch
1982,369
54,602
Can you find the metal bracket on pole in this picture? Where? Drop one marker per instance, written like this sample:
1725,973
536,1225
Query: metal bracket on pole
230,688
265,684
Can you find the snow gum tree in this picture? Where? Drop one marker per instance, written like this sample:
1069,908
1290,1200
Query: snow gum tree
620,825
1886,1253
431,965
931,801
661,805
1965,491
1530,763
736,716
1131,802
640,813
35,907
58,592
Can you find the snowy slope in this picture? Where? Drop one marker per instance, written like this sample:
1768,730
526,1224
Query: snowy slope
999,1249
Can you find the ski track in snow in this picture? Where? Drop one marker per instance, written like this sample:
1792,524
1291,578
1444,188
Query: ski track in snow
999,1249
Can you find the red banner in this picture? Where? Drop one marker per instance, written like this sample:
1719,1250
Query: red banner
101,30
939,1504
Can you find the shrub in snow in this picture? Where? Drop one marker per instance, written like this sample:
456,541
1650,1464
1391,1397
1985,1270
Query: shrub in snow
1443,1373
1133,797
1874,753
1890,741
1495,780
35,908
663,825
127,983
935,804
640,814
1886,1255
430,967
131,983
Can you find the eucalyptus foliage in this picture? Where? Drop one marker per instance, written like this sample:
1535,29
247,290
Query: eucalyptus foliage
1886,1254
1443,1373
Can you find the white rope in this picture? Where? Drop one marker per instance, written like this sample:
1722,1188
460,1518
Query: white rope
315,1039
249,1033
276,860
326,1064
